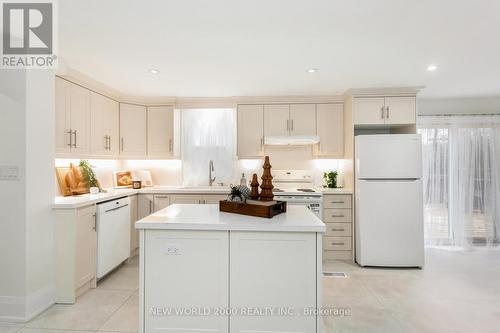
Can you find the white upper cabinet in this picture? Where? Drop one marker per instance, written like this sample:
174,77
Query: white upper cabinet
400,110
330,120
302,119
384,110
133,130
62,110
276,119
369,111
72,109
250,131
105,127
161,131
80,119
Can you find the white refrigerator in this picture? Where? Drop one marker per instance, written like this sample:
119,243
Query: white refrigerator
389,201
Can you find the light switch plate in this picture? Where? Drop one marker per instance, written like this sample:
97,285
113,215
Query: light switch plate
9,172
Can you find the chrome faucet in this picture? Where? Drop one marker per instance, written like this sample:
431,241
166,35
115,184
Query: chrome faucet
210,169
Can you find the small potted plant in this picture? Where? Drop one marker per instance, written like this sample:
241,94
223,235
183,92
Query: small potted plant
330,178
89,177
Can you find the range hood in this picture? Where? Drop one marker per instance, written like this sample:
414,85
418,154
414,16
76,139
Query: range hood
291,140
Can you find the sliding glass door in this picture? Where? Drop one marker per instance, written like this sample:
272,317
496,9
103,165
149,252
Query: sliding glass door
461,163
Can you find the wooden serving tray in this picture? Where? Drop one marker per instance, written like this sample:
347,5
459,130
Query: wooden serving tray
252,210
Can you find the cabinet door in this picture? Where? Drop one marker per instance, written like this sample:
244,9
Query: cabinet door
161,201
400,110
144,205
62,111
211,199
250,131
302,119
369,111
105,117
132,130
80,119
186,199
277,119
259,261
160,131
330,119
86,243
186,270
134,233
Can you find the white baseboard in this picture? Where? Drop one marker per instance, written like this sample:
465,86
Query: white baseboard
21,310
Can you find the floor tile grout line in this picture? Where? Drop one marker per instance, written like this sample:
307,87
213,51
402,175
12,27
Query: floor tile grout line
112,314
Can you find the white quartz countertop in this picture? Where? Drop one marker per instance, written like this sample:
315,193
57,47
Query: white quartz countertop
326,190
208,217
110,194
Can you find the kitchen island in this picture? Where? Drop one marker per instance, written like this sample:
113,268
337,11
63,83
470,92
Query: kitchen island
202,270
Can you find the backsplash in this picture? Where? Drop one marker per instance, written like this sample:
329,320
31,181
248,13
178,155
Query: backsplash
169,172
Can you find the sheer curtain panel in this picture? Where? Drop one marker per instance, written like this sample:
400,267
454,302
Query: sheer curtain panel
461,156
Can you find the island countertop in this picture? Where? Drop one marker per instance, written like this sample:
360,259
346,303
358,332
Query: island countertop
208,217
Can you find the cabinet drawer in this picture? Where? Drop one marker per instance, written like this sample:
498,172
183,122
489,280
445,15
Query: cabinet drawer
337,215
337,201
337,243
337,255
338,229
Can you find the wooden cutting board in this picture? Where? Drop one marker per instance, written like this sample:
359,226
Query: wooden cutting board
71,181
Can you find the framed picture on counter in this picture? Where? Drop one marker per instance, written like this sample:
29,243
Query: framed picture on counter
122,179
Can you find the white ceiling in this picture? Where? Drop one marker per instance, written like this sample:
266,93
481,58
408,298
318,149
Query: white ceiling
264,47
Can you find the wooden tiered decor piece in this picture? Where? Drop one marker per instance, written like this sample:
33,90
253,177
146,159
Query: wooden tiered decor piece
267,182
254,194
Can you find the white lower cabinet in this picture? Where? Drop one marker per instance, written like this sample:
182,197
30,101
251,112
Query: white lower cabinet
75,252
228,274
161,201
189,270
273,270
134,234
145,204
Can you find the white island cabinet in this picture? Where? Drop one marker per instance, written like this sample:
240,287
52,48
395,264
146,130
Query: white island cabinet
202,270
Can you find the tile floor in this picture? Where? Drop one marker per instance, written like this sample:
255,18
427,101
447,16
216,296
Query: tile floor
456,292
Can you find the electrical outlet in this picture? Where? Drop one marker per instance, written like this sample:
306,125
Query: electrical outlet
9,172
173,249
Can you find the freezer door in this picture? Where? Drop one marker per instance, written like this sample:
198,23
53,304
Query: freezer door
389,223
394,156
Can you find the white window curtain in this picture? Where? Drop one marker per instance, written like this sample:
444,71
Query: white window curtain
461,164
208,134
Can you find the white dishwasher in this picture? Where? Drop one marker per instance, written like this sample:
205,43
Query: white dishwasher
113,234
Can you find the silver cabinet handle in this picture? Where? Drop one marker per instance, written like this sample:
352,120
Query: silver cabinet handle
95,222
337,243
336,229
261,144
105,142
150,206
287,124
338,215
387,112
109,142
70,132
170,145
338,202
291,127
161,196
74,144
382,112
122,143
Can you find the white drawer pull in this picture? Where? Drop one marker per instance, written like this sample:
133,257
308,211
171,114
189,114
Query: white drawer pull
340,244
336,229
338,215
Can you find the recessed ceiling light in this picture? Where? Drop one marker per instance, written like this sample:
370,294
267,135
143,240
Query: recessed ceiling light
432,68
154,71
312,70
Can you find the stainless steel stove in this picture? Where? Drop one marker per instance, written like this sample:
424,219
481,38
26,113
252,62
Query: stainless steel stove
296,187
